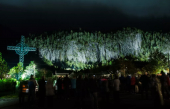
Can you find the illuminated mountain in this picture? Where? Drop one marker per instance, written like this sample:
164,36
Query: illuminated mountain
79,50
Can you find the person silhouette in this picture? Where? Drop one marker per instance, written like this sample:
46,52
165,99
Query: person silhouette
116,85
41,91
21,93
145,85
156,92
50,92
79,87
93,86
73,86
164,85
31,95
67,85
59,87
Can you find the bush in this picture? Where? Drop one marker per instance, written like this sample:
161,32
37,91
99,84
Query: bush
6,84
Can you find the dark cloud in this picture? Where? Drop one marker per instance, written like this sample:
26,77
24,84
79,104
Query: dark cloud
131,7
30,16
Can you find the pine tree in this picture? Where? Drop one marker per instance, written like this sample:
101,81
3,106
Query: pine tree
3,67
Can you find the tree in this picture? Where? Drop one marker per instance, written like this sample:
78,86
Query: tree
30,70
157,62
16,71
42,72
19,70
3,67
48,62
12,72
115,66
48,73
126,65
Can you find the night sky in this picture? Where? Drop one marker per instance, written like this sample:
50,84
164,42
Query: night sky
21,17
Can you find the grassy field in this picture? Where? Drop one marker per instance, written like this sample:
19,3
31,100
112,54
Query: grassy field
9,96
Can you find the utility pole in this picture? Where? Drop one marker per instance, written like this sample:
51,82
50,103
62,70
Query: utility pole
168,61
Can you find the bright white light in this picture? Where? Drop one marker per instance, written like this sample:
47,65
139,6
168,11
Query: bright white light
23,76
27,90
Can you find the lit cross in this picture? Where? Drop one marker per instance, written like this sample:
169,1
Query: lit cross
21,49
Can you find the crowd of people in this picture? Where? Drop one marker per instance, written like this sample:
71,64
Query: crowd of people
94,87
156,85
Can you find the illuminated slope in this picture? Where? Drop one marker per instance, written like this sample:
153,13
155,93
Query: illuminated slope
79,50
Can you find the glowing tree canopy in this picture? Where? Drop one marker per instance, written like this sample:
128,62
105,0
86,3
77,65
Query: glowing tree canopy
3,67
15,71
30,70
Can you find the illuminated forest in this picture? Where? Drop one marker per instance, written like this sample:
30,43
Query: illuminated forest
81,50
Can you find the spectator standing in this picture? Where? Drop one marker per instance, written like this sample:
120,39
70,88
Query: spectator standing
67,86
122,80
32,84
164,85
140,83
149,80
73,86
41,91
50,92
79,86
133,81
86,87
137,84
145,85
21,93
156,92
128,83
105,90
93,85
116,85
59,87
168,82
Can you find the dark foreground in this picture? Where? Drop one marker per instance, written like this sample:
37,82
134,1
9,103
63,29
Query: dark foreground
128,101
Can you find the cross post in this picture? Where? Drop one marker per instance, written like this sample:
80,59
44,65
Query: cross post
21,49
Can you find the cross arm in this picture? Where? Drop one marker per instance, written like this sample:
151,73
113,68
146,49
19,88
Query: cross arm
29,49
13,48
